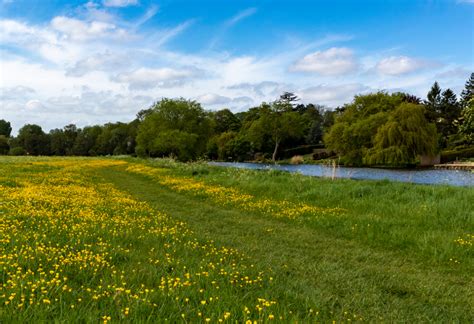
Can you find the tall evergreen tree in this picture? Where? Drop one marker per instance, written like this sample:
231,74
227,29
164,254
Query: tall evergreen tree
448,113
468,93
433,103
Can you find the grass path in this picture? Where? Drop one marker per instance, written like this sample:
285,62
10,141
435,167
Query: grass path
338,277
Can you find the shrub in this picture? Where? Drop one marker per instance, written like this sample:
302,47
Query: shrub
454,155
17,151
297,159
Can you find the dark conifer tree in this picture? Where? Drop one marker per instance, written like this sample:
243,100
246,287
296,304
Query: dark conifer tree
468,92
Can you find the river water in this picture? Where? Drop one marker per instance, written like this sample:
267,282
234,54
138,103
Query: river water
427,176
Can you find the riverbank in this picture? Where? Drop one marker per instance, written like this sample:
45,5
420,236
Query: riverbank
420,176
455,166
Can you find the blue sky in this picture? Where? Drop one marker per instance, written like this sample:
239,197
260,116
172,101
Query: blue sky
88,62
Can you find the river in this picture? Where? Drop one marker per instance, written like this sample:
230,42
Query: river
426,176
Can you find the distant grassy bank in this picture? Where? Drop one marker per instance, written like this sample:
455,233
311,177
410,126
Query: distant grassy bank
269,245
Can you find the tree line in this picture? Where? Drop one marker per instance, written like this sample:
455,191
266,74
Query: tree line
374,129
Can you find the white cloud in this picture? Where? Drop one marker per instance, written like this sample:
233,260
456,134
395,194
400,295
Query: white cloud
15,93
96,67
79,30
229,23
241,15
331,95
146,78
98,62
150,13
454,73
397,65
213,99
261,89
163,36
334,61
119,3
34,104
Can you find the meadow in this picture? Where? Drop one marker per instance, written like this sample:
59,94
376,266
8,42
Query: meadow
123,239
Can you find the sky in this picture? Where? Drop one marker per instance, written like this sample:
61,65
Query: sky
98,61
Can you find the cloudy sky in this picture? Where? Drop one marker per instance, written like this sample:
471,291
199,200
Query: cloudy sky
88,62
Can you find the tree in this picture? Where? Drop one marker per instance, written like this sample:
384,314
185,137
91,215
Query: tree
5,128
314,116
405,136
86,141
433,103
176,127
279,122
70,134
407,97
4,146
58,142
357,124
468,93
288,98
114,139
33,140
466,127
449,112
225,121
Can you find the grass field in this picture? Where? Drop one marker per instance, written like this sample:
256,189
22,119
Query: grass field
117,240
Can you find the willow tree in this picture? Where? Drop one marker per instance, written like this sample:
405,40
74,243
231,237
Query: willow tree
403,138
466,128
354,129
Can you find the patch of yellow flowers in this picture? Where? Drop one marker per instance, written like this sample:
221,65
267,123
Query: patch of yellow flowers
75,248
467,240
233,197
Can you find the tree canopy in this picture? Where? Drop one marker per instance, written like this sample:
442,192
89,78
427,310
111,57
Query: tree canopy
177,128
381,129
374,129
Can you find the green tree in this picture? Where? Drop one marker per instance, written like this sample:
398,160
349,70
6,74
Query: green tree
33,140
449,112
278,122
86,141
175,127
403,138
466,127
357,124
225,120
315,117
5,128
58,142
4,146
433,103
468,93
114,140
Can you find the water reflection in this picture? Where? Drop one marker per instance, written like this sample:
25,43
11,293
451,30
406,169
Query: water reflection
430,176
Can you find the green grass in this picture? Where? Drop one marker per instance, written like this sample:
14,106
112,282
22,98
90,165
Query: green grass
391,256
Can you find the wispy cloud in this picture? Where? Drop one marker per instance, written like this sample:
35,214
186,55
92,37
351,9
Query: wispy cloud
240,16
229,23
119,3
161,37
150,13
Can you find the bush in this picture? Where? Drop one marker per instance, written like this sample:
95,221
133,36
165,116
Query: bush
297,159
301,150
322,154
16,151
459,154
